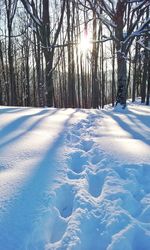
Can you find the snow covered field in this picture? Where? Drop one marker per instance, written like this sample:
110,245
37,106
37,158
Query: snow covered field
75,179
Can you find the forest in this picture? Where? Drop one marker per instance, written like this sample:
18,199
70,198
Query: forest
74,53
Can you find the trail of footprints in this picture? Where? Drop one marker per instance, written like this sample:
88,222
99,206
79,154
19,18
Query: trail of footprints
77,165
88,164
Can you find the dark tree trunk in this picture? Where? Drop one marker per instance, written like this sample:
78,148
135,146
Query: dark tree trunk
3,75
28,101
122,79
95,86
1,102
49,79
11,70
135,73
148,87
121,54
129,78
145,74
113,74
103,77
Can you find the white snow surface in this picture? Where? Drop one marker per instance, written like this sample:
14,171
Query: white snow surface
75,179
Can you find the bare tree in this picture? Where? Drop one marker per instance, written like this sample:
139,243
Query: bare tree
122,27
10,11
48,36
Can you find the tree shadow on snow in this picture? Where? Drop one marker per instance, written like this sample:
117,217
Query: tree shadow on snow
130,128
19,122
17,225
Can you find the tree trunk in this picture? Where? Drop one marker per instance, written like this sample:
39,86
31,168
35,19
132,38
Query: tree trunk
49,79
122,79
148,87
11,72
95,87
103,77
121,53
28,101
113,74
135,73
129,91
145,74
2,83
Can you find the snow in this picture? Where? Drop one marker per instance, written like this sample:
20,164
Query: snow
75,179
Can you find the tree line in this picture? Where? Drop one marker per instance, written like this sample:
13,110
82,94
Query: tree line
74,53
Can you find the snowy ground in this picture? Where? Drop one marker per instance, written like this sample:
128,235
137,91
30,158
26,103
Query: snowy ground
75,179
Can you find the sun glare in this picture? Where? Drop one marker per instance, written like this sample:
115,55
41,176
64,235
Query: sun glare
84,44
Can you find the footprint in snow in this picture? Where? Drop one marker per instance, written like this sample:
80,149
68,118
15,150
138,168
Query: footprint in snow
145,179
97,156
145,214
50,227
74,176
137,178
96,159
73,138
86,145
95,183
58,227
64,198
77,162
141,239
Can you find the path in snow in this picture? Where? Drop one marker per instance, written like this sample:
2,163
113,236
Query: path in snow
84,186
110,205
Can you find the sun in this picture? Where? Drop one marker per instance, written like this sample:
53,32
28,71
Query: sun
84,44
